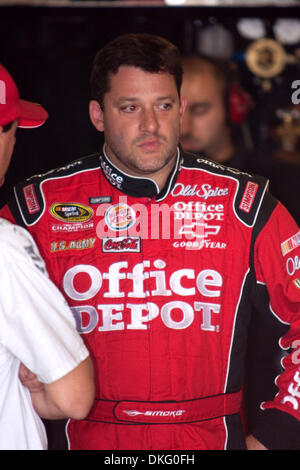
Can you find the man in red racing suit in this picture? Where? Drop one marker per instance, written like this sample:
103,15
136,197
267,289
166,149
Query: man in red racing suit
182,275
183,297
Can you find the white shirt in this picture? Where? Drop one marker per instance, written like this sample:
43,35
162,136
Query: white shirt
36,328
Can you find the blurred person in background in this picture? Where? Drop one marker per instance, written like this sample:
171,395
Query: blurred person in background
216,109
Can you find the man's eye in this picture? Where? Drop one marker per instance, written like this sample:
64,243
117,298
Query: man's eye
199,110
165,106
128,109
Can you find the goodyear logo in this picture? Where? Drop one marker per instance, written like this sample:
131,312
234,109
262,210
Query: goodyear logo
70,212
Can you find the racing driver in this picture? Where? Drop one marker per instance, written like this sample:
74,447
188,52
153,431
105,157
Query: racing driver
183,275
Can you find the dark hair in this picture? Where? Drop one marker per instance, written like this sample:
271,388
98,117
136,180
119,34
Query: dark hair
220,69
150,53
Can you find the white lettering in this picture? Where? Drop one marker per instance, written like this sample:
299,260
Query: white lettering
109,317
160,278
186,309
80,312
205,280
176,314
114,277
138,276
207,310
140,315
292,265
175,282
138,319
96,282
296,94
206,191
209,277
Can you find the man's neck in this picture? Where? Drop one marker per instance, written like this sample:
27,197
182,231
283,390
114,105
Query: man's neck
159,177
223,151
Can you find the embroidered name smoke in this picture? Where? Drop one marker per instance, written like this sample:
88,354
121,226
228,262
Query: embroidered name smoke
166,413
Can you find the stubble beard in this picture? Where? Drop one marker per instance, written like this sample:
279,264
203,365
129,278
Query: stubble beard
139,163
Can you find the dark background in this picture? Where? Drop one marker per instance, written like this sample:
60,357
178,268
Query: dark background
49,52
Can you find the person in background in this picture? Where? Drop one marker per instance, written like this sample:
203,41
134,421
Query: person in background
216,109
38,339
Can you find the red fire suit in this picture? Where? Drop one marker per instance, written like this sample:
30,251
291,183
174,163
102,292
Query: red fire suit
184,297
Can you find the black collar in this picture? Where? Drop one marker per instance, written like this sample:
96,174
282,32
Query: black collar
136,186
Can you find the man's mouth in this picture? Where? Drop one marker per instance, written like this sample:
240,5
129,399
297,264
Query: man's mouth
150,145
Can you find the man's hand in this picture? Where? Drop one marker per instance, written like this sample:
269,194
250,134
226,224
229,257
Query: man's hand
71,396
29,380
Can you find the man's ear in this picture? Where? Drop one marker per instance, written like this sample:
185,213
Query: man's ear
96,115
183,103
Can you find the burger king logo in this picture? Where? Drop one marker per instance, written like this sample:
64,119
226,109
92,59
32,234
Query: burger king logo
120,217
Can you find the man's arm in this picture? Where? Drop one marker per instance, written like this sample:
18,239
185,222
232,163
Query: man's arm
69,397
272,398
253,444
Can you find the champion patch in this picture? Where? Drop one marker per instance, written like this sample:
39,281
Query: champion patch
248,196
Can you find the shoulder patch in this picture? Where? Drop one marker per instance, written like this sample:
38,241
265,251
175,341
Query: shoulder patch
27,204
249,198
251,188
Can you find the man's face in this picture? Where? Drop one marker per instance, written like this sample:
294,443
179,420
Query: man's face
7,143
204,123
140,120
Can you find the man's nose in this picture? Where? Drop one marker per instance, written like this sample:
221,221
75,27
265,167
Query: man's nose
186,124
149,121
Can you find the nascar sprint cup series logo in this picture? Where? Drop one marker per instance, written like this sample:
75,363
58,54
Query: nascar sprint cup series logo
70,212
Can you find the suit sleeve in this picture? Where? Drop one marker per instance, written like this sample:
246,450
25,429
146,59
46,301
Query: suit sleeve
275,335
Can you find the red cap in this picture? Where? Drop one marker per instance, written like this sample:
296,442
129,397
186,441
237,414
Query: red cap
11,107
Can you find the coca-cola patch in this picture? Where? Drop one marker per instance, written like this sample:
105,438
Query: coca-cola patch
118,244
